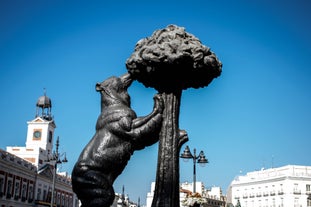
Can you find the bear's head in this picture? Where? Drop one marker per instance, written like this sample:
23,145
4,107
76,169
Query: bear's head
114,90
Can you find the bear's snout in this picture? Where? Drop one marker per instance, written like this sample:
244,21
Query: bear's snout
98,88
126,79
124,82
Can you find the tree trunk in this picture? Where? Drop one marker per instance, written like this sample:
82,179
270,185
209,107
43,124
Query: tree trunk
166,192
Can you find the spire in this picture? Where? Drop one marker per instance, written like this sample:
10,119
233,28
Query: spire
44,105
123,196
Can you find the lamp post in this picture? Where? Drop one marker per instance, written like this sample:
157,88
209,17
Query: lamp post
200,159
56,158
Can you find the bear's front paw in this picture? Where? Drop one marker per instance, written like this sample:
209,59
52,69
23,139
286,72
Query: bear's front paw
158,103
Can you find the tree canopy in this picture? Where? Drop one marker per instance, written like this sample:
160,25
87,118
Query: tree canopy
173,59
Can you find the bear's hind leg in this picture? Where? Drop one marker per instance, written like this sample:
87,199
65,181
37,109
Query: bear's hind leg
94,189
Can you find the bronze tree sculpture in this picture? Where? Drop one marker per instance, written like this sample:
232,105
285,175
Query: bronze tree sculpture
118,133
171,60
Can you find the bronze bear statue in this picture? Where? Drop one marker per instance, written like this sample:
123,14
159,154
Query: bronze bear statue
119,132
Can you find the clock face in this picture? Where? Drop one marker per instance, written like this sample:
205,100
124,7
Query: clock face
37,134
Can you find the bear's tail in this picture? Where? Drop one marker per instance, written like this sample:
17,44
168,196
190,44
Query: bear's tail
92,188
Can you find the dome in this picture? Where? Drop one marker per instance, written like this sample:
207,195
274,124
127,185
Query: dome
44,107
44,102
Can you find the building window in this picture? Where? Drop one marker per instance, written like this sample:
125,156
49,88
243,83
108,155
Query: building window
282,202
259,192
70,201
245,194
66,200
237,196
272,192
9,189
55,197
24,192
266,192
30,194
273,202
296,202
50,136
1,186
39,194
308,189
45,197
58,199
309,201
296,190
280,192
16,193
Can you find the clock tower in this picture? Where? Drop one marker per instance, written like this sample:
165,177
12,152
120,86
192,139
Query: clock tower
40,134
41,130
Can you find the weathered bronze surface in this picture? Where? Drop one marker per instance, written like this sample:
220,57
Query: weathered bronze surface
170,61
119,132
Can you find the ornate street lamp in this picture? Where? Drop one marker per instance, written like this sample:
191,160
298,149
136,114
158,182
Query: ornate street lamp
55,158
200,159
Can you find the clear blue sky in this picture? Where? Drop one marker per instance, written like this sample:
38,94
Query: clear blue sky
256,114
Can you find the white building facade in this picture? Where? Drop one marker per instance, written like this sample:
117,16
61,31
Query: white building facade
211,197
287,186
